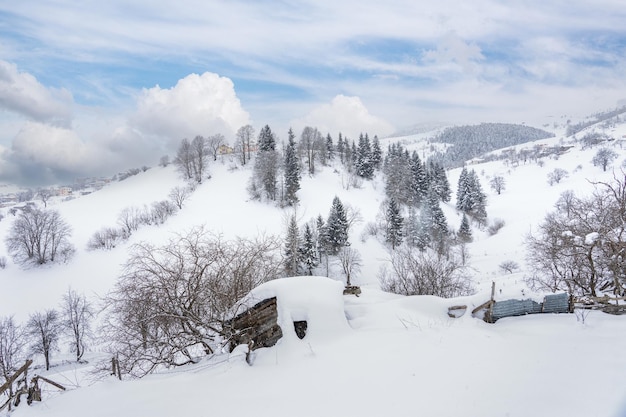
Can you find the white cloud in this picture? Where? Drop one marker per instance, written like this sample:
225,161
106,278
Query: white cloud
197,105
347,115
452,49
52,147
21,93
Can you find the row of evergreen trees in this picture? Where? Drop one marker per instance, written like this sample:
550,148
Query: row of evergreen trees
305,250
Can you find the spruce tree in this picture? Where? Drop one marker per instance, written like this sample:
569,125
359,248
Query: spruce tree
438,180
267,141
463,192
377,153
465,232
363,163
340,148
336,227
330,149
412,228
417,184
291,171
393,234
292,252
322,237
309,254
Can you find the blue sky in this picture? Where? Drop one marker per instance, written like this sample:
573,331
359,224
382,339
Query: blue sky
111,78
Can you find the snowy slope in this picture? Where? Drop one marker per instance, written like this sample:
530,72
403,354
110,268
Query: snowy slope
388,354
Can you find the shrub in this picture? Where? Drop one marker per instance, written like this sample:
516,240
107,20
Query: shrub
495,226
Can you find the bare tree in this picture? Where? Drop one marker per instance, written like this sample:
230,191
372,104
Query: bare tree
38,237
44,194
350,262
508,266
161,210
424,273
77,314
498,183
105,238
169,305
164,161
178,195
199,157
129,220
214,143
581,250
184,159
43,330
243,144
566,202
311,144
604,157
557,175
11,348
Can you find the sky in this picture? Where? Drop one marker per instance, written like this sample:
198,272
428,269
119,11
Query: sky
90,88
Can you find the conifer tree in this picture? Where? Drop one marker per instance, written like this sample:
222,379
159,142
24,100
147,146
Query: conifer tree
377,153
267,141
291,171
322,240
412,228
463,192
433,226
394,220
340,148
417,183
309,254
336,227
438,180
465,232
330,149
363,162
470,197
292,252
265,178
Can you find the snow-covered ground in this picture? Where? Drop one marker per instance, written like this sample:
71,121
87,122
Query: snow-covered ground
374,355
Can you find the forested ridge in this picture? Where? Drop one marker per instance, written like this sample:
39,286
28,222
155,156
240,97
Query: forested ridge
471,141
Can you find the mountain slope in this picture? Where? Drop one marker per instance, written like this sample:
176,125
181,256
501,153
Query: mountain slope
399,355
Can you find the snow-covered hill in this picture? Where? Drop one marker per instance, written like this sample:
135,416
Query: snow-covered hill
390,354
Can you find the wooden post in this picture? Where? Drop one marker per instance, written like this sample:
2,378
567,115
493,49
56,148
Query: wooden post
16,375
119,371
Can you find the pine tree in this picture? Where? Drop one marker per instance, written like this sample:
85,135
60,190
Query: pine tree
463,192
412,228
291,171
470,197
393,234
292,259
309,254
438,180
330,149
377,153
417,185
479,199
267,141
336,227
363,163
465,232
341,148
433,226
322,237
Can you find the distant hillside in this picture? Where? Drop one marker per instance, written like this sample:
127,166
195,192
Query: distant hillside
606,116
471,141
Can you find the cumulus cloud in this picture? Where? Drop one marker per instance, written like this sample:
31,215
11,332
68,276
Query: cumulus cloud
347,115
197,105
21,93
